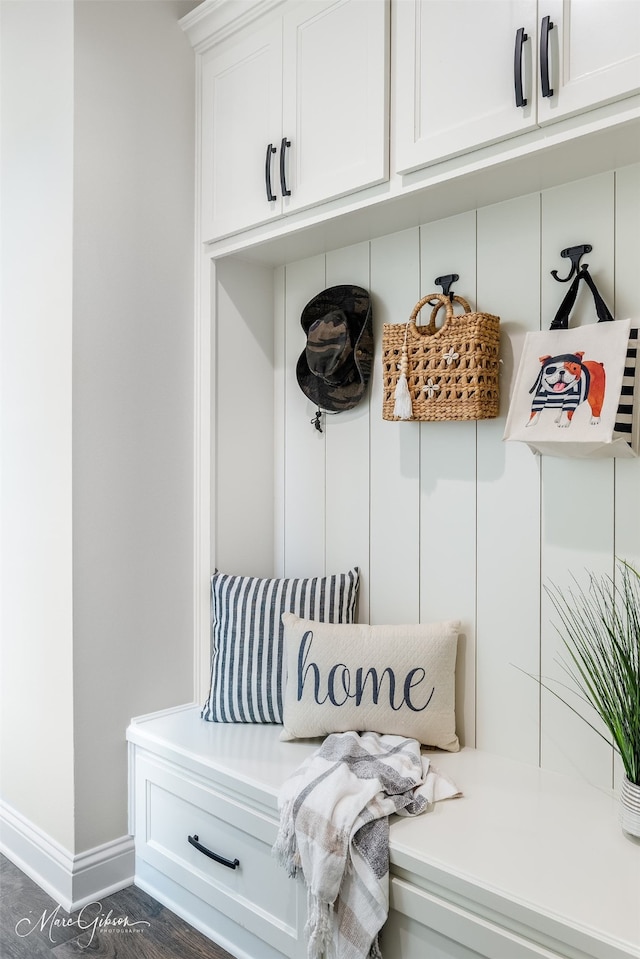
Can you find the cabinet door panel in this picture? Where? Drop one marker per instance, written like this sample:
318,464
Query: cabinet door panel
335,98
170,807
406,938
594,51
454,76
241,115
421,924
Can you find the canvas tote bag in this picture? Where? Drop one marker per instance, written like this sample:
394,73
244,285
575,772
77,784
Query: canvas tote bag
574,389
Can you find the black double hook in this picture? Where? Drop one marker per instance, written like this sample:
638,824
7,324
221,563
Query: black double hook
575,254
445,282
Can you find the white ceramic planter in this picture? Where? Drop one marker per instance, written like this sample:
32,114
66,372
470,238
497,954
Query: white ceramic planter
630,808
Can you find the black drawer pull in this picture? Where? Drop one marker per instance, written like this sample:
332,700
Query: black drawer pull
547,26
212,855
267,173
521,36
283,179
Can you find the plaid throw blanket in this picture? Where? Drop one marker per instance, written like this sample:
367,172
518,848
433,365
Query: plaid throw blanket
334,830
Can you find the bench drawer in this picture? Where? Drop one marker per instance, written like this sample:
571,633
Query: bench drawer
421,924
245,883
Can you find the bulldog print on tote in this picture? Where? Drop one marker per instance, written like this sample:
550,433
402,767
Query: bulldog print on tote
563,383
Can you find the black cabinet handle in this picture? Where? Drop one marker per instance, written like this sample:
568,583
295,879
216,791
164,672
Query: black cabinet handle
267,173
212,855
547,26
283,179
521,36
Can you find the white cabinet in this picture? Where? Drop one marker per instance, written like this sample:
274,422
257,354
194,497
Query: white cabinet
453,82
469,73
502,873
594,54
294,112
421,923
218,848
203,839
335,104
241,112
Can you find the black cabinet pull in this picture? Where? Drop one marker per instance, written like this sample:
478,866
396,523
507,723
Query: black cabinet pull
547,26
212,855
267,173
521,36
283,179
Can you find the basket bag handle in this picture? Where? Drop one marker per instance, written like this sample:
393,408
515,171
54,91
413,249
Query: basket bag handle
561,319
442,300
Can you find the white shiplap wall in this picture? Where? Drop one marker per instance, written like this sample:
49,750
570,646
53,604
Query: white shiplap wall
445,519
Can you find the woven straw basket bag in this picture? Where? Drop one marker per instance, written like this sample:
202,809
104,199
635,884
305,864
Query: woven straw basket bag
441,373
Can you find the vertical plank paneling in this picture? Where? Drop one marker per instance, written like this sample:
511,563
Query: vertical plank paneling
508,615
304,447
578,495
627,304
395,447
448,477
627,472
347,447
446,519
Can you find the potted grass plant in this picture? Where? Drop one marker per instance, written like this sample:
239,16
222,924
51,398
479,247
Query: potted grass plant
600,630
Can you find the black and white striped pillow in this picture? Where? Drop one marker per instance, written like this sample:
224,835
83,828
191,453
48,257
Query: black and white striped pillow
248,664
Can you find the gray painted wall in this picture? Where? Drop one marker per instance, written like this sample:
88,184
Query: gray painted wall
97,399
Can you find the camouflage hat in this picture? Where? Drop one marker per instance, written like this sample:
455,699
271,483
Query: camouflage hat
334,369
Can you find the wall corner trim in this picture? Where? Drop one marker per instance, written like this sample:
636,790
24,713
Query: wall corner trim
71,880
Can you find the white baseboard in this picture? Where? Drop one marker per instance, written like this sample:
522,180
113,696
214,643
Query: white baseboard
71,880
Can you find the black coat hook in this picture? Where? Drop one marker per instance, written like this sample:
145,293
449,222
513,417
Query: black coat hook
445,282
575,254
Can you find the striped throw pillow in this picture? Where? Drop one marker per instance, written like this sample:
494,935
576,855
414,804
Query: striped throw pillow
248,663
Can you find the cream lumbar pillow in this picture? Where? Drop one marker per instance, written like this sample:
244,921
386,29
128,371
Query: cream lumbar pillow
384,679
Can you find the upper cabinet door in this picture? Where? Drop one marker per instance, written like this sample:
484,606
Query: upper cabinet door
294,111
593,54
335,98
463,69
241,122
456,66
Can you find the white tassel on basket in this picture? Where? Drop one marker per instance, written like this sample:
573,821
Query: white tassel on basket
402,407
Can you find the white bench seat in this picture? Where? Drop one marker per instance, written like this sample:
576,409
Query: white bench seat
528,864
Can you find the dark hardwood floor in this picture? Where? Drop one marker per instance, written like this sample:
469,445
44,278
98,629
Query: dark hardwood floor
93,933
